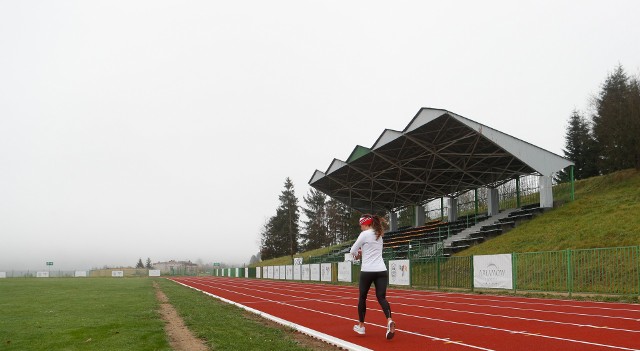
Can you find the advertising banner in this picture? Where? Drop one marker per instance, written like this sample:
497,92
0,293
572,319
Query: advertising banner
306,272
315,271
289,270
325,272
493,271
297,272
344,272
399,272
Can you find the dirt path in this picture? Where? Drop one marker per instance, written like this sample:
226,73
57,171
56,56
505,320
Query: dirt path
180,337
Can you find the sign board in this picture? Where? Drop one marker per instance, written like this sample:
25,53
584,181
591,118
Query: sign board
3,274
154,272
493,271
258,272
216,264
315,271
42,275
270,272
399,272
325,272
297,272
297,260
289,271
49,263
306,272
80,274
344,272
117,274
283,272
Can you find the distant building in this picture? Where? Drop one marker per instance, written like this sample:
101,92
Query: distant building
176,267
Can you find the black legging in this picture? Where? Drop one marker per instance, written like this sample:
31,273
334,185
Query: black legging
381,280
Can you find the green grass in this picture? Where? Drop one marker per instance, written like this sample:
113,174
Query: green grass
226,326
606,213
122,314
79,314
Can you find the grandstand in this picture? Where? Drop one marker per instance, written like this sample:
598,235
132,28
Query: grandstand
439,155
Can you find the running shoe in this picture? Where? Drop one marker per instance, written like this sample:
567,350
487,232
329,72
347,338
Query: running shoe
391,329
358,329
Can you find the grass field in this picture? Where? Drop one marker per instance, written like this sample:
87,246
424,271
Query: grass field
122,314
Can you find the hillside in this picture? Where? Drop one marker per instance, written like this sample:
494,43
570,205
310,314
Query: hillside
605,213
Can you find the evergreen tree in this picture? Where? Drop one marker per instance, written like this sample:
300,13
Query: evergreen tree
139,264
148,265
407,217
342,222
315,235
281,233
579,148
616,124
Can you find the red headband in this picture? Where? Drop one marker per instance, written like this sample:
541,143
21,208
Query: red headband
366,220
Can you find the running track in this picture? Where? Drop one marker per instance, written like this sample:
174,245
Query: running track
428,320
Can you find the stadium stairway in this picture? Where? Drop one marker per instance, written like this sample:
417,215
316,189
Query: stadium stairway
490,228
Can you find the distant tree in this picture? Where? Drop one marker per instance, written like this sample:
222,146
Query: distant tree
315,234
254,259
140,264
407,216
280,234
148,265
580,147
342,222
616,122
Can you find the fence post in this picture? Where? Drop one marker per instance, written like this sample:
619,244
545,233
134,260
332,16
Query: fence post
437,270
514,272
569,273
471,273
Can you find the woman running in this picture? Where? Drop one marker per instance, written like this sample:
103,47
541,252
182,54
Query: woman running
372,270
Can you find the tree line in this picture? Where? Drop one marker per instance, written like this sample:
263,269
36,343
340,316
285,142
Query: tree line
328,222
607,140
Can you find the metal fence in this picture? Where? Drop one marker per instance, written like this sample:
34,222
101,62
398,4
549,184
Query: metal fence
598,271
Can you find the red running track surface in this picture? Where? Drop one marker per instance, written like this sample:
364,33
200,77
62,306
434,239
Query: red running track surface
428,320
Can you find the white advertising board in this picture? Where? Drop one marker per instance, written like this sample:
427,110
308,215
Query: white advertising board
118,274
325,272
80,274
42,274
399,272
315,271
493,271
297,271
344,272
297,261
306,272
246,272
270,272
3,274
289,271
237,271
283,272
154,272
276,272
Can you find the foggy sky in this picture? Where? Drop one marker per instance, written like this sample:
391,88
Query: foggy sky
166,129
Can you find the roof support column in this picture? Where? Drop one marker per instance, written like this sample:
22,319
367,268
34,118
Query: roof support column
420,216
493,201
393,221
546,191
453,209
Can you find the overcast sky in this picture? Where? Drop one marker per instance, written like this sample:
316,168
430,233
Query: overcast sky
166,129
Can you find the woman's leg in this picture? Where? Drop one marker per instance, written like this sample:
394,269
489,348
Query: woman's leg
365,283
381,281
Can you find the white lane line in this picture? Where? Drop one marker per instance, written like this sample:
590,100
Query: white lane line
470,325
435,338
422,298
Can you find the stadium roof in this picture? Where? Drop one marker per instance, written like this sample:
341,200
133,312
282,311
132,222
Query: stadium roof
439,153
